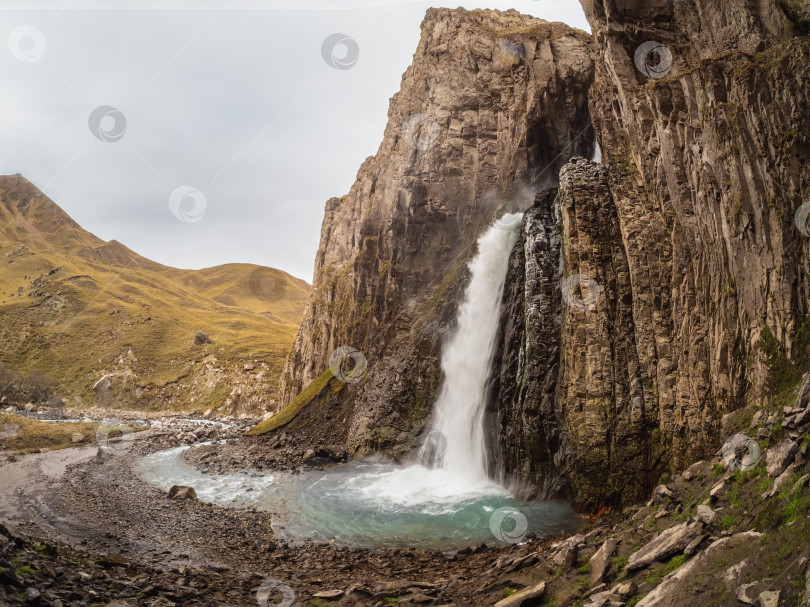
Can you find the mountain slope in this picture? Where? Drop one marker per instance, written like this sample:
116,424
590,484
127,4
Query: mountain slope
76,309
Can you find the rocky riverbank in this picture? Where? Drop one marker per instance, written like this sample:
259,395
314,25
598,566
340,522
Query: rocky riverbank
730,530
110,536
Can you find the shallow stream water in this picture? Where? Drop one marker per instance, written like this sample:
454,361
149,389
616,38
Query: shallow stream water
370,503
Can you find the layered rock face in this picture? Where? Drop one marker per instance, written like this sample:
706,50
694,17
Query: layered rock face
647,296
492,107
689,231
567,390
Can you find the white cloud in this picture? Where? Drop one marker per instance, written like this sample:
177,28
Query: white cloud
237,103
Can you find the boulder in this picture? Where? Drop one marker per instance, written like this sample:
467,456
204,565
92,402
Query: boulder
769,598
603,599
181,492
692,470
77,437
803,397
706,514
28,407
661,491
692,547
666,544
780,481
574,540
532,593
801,419
565,557
676,589
601,559
32,595
201,338
759,418
778,458
329,595
742,594
715,491
102,386
626,590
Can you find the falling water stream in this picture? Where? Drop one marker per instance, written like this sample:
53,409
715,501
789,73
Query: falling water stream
445,500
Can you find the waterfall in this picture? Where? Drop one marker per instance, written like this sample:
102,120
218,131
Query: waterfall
597,153
456,440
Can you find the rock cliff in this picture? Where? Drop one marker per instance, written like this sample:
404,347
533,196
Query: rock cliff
688,231
648,296
491,108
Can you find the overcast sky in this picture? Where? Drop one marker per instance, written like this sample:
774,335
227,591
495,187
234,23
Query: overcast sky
234,102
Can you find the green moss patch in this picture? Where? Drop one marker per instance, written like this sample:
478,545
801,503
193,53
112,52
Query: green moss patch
315,388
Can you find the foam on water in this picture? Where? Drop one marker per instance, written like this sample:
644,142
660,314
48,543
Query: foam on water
166,468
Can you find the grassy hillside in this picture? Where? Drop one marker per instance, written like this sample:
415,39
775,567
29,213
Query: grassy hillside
76,309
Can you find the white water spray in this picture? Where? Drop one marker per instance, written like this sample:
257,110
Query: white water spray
451,503
467,359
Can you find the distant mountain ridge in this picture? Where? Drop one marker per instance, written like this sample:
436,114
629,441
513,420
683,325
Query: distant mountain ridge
76,309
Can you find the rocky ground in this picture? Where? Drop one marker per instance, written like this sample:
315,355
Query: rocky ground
733,530
88,531
92,533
